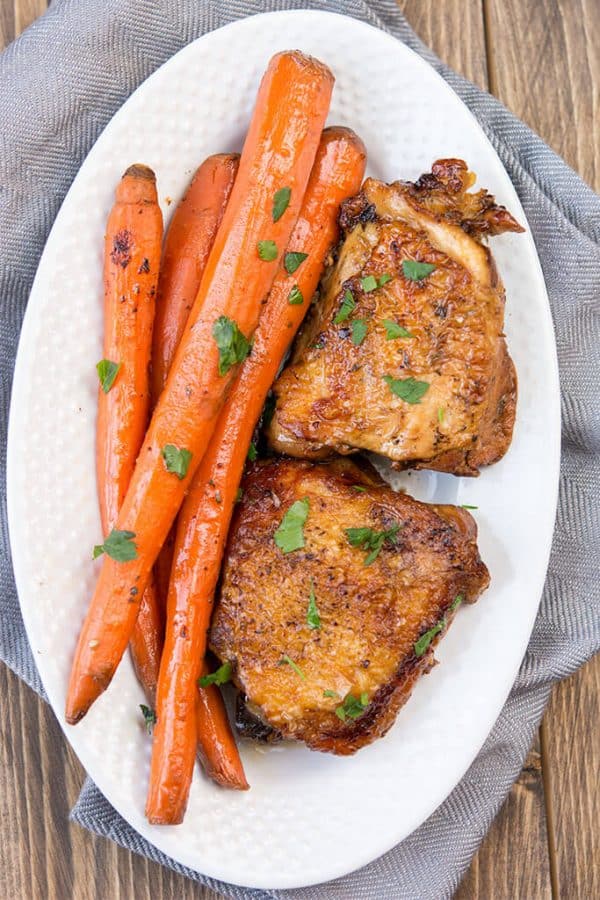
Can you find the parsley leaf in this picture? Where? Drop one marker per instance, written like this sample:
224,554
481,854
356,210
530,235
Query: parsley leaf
370,283
107,372
345,309
291,261
371,540
352,707
252,451
118,545
425,640
176,460
313,618
286,661
267,250
233,346
456,602
149,717
333,694
290,534
393,330
359,331
408,389
281,202
221,676
295,297
416,271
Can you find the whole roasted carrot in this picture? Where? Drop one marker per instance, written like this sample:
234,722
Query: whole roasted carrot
278,154
206,513
188,242
131,265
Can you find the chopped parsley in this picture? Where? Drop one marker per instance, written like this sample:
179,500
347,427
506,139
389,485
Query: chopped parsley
352,707
313,618
359,331
345,309
233,346
393,330
371,540
295,297
107,372
267,250
440,414
416,271
425,640
466,506
286,661
238,495
360,488
221,676
291,261
118,545
408,389
252,451
370,283
281,201
333,694
149,717
290,534
177,460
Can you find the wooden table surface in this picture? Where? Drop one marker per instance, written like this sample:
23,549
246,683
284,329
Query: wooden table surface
542,59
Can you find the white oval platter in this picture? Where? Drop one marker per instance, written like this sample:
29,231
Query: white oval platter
308,817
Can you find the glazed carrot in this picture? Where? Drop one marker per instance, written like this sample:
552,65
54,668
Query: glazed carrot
216,745
206,513
279,151
188,242
131,264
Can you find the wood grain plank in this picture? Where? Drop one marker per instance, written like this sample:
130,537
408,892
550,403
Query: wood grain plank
513,860
557,44
571,766
454,30
7,23
545,66
26,12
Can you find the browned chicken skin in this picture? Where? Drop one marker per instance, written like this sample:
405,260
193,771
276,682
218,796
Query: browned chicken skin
336,395
371,616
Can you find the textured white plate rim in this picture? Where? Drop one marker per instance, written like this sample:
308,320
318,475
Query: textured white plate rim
331,868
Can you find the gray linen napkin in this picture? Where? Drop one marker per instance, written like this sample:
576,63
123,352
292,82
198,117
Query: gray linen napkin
61,83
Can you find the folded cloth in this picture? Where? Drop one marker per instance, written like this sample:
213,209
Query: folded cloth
62,81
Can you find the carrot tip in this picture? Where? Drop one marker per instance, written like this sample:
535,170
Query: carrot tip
139,170
163,819
74,717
